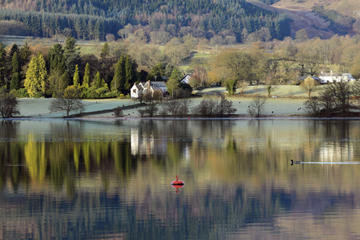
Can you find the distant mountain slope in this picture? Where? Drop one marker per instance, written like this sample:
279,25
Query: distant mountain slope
341,16
228,20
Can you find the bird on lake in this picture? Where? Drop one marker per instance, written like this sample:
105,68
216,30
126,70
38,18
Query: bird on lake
292,162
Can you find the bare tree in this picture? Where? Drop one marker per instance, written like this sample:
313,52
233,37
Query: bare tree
256,108
309,84
8,105
69,102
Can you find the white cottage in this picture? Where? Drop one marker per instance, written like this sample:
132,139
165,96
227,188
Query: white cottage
142,88
136,90
331,78
186,79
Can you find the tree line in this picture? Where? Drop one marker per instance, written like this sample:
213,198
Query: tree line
85,19
62,70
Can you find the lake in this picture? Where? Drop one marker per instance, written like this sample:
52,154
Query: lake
111,180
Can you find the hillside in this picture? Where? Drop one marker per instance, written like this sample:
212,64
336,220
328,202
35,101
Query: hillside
326,17
158,21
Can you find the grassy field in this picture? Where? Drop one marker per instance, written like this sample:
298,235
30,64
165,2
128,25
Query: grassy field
282,91
284,100
39,107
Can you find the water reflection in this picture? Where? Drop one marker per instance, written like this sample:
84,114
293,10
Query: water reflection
79,180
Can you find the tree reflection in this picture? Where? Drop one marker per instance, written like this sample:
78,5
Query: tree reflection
236,173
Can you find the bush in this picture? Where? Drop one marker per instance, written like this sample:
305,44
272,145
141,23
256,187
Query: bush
176,108
150,110
19,93
312,106
118,112
8,105
256,107
334,99
210,107
205,108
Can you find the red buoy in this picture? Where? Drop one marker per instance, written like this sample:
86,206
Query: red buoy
177,182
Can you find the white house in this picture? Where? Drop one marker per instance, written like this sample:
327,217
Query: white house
331,78
142,88
186,79
136,90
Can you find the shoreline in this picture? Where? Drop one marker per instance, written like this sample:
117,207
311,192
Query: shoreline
189,118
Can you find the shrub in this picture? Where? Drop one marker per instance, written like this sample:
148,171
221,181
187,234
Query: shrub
118,112
224,107
8,105
256,107
19,93
150,110
210,107
176,108
312,106
205,108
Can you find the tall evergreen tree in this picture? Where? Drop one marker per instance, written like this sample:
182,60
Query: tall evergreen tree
24,54
36,76
2,66
72,55
15,76
174,81
130,73
98,81
57,59
105,51
86,79
118,82
76,78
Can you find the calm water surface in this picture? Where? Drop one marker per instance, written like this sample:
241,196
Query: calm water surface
100,180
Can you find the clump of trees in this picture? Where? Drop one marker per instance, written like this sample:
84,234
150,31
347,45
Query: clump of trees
214,107
335,99
176,107
35,74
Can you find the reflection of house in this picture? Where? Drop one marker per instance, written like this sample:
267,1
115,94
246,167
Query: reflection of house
336,153
331,78
148,87
144,144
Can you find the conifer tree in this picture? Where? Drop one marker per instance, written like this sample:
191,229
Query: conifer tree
105,51
2,65
86,79
15,76
72,55
76,77
57,59
118,82
36,74
130,73
98,81
173,82
24,54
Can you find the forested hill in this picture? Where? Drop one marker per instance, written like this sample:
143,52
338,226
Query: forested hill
223,21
